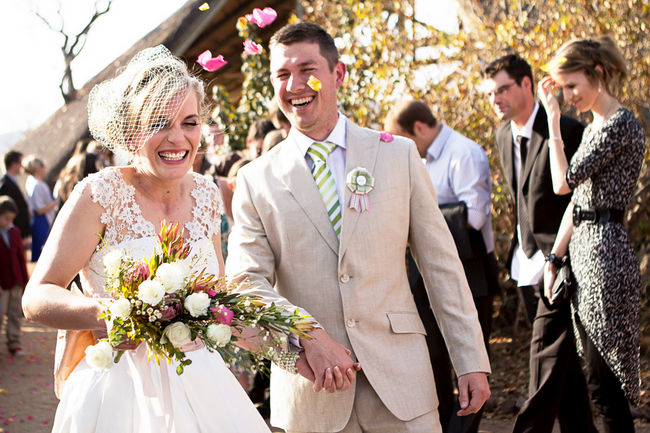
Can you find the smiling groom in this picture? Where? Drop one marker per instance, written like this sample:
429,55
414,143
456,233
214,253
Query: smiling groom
322,222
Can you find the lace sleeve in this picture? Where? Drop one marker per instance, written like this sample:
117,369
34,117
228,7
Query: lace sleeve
122,218
207,210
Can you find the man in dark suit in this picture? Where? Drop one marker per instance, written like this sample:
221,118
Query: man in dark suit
460,173
557,386
9,186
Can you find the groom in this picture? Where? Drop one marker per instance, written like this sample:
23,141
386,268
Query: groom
345,266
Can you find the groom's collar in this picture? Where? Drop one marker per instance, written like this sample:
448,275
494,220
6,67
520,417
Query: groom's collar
337,136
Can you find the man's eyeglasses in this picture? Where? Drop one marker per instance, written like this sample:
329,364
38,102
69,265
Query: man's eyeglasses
501,90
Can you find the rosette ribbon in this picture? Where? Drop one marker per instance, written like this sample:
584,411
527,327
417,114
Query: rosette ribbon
360,182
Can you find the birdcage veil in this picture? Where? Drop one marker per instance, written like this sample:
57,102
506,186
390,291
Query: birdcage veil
125,111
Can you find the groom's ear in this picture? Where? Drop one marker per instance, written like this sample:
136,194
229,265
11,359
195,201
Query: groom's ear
340,70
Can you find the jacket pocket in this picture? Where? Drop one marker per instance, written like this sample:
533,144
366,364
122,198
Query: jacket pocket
405,322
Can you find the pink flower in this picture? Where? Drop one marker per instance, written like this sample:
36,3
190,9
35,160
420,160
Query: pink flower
251,47
262,17
223,314
170,310
140,272
212,293
210,63
386,136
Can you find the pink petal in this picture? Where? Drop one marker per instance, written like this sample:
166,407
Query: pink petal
262,17
386,136
251,47
210,63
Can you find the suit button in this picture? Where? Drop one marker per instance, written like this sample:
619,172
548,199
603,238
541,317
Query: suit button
350,323
345,278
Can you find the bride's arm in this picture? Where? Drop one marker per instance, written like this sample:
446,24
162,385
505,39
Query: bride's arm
72,241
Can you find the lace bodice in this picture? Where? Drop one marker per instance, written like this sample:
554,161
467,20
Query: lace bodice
127,229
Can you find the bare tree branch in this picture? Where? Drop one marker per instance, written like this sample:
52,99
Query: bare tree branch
71,51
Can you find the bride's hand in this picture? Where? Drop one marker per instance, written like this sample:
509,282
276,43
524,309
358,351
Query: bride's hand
125,345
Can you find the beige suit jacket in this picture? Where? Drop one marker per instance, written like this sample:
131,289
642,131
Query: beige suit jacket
356,289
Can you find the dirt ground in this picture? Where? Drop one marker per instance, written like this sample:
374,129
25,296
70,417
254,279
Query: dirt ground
27,401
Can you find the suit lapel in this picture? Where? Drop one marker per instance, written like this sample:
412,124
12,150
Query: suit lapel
360,151
295,174
505,138
536,142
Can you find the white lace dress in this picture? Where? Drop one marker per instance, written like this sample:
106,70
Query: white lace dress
137,395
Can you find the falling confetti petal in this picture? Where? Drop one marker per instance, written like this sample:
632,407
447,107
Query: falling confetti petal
314,83
210,63
262,17
251,47
204,7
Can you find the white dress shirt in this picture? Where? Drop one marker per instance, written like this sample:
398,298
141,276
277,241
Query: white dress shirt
526,271
335,160
460,171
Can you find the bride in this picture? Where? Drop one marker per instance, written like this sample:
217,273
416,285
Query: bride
152,109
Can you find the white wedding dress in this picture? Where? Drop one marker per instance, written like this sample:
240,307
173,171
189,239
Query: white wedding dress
137,395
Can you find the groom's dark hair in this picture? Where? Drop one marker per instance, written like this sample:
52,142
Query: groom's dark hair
308,32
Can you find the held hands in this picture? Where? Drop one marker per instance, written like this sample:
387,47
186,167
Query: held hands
473,392
326,363
545,90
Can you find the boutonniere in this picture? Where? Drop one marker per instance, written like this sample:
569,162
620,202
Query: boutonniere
360,182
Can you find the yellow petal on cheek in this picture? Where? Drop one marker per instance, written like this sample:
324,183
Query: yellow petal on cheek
204,7
314,83
553,64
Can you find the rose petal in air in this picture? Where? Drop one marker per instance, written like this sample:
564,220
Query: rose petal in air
204,7
251,47
262,17
210,63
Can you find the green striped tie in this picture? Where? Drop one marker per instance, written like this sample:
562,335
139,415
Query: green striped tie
325,183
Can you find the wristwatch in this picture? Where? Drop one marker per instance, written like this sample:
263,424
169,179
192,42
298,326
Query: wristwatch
554,260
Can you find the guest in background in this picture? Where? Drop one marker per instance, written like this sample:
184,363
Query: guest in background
9,186
460,173
271,139
602,177
278,118
557,386
255,138
13,273
41,201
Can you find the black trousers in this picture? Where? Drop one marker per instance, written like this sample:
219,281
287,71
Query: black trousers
557,387
605,389
442,369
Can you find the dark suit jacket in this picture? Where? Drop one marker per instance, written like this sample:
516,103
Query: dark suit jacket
12,261
9,187
545,208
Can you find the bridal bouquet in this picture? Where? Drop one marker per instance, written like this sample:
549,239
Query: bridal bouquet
162,302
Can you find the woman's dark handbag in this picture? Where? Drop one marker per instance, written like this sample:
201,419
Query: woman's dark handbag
563,287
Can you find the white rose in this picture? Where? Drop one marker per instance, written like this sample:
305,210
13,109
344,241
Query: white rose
151,292
172,275
120,308
220,334
197,304
177,334
112,262
100,356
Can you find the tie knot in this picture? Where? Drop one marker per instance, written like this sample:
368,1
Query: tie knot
319,151
521,139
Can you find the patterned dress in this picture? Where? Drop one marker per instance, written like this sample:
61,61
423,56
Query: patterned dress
603,174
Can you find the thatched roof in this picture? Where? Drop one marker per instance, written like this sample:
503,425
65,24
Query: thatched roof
187,33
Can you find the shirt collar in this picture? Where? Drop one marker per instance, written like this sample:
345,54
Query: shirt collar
337,135
435,149
527,130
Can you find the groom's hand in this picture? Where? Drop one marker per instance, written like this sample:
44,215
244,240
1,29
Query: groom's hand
473,391
329,361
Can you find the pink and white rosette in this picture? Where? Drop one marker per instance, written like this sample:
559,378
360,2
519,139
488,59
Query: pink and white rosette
360,182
